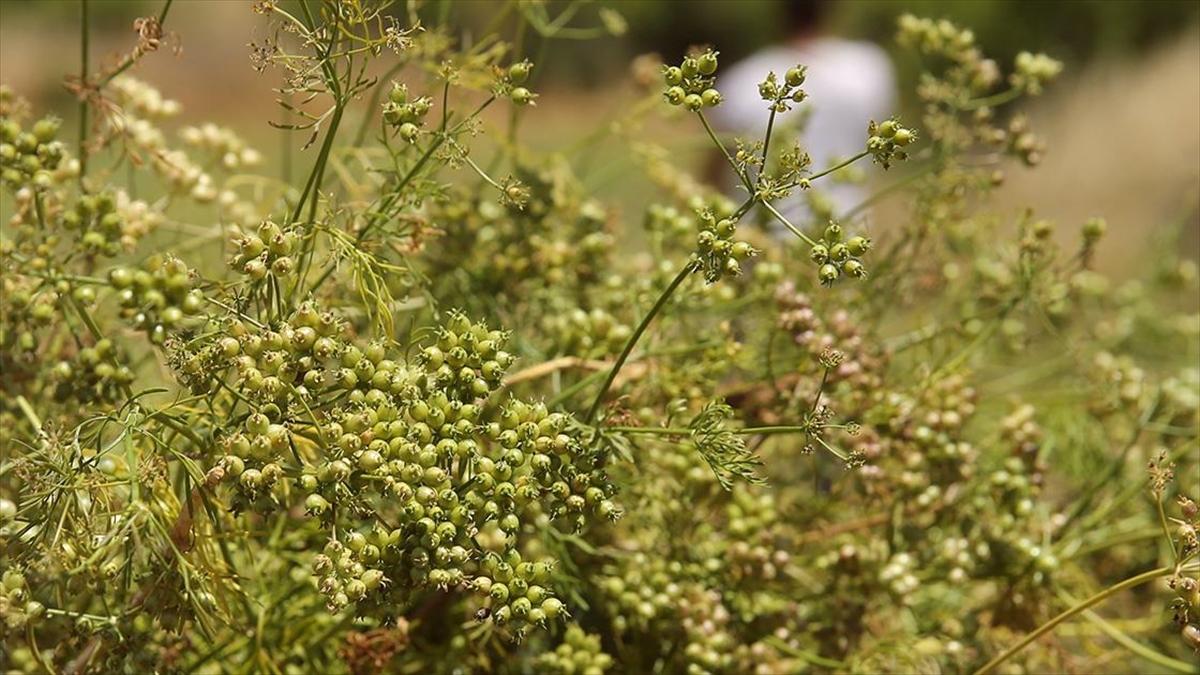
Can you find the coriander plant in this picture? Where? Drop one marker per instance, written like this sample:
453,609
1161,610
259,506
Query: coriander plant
417,409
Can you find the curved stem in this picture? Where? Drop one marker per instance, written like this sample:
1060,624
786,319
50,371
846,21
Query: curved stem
658,305
1076,609
1131,644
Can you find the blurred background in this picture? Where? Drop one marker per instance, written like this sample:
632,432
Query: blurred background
1122,124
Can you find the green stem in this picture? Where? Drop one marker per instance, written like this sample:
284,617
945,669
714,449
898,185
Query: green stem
767,143
1166,530
373,105
883,192
1131,644
315,182
788,224
1076,609
838,167
313,185
653,431
993,100
132,58
716,141
658,305
815,659
1083,504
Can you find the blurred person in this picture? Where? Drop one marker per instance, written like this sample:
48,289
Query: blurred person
848,83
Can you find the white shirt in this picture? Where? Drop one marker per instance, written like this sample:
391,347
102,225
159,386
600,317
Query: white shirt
848,83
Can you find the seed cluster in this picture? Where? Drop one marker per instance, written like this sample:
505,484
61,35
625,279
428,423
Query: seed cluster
587,333
406,116
836,256
30,157
96,375
17,608
159,297
887,141
414,436
578,654
267,250
718,254
690,84
783,94
101,225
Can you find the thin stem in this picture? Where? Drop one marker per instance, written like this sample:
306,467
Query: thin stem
993,100
373,104
514,114
815,659
713,135
637,334
1131,644
774,429
788,224
312,185
1076,609
883,192
137,53
362,234
820,389
838,167
315,181
1166,529
767,142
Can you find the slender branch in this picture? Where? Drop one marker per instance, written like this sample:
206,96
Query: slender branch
788,224
1131,644
993,100
884,192
373,104
1166,529
839,166
658,305
1076,609
767,142
137,52
732,164
315,181
653,431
